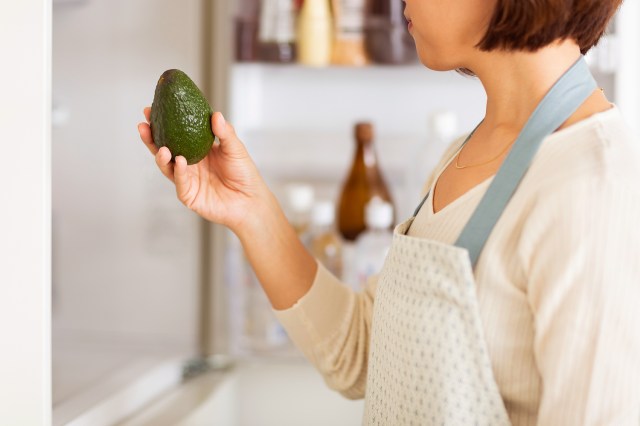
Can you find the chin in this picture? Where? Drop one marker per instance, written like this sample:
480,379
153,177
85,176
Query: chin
433,62
436,62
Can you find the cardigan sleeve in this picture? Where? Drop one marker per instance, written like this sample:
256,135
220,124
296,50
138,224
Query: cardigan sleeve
331,325
583,261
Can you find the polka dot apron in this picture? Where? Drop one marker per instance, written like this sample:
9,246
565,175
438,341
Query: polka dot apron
428,362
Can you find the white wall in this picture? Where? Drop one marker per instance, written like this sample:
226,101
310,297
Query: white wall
25,372
627,94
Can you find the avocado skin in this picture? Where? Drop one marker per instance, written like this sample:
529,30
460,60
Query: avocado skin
181,117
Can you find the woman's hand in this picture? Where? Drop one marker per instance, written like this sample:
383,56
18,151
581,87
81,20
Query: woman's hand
225,187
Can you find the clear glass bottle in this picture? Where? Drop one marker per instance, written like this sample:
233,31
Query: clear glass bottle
373,245
276,36
325,243
365,181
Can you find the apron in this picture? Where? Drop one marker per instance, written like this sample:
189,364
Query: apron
428,362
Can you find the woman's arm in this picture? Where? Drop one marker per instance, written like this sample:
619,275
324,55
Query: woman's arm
281,263
331,324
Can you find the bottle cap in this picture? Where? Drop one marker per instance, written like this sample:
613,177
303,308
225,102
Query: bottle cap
364,132
300,197
378,214
323,213
444,124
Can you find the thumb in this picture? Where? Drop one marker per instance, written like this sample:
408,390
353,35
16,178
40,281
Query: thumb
229,143
223,130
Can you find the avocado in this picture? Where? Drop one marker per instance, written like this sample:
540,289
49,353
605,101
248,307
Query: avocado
181,117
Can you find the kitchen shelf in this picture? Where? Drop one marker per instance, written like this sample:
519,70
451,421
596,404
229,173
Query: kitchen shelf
330,100
295,65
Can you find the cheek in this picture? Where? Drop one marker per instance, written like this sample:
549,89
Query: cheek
438,24
446,33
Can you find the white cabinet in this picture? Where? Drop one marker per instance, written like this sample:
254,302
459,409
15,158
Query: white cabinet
627,83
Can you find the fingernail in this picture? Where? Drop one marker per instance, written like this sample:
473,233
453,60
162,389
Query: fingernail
224,122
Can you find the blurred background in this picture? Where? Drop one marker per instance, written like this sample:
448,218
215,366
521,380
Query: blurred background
157,318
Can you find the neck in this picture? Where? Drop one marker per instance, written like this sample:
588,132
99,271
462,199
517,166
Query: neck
515,82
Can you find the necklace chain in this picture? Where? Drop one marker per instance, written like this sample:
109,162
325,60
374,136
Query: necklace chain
459,167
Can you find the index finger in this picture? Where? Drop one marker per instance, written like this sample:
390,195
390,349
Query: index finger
147,114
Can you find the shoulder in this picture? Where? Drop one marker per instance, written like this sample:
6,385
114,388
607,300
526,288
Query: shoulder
600,150
584,184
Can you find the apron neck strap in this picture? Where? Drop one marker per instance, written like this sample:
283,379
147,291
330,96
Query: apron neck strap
562,100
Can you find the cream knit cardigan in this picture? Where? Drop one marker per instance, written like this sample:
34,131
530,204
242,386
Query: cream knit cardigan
558,285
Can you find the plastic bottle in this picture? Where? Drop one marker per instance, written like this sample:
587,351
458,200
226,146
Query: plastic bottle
425,155
387,38
264,334
315,33
324,242
348,44
277,31
365,181
373,245
299,202
255,331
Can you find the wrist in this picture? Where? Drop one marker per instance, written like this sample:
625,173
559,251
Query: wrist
263,216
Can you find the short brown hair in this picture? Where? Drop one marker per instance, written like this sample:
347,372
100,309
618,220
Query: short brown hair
532,24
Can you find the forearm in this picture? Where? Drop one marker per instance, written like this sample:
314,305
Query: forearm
282,264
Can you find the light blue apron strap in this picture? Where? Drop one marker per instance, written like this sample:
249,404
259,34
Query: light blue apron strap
424,200
564,98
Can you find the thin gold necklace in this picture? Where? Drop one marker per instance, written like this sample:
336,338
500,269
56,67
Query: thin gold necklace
459,167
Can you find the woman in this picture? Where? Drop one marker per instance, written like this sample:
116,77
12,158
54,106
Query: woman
511,296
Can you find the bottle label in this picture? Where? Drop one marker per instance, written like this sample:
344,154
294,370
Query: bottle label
277,22
350,19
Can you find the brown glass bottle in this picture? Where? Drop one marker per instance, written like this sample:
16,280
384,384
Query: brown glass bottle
387,38
365,180
246,30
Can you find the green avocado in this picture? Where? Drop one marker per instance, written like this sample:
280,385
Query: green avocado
181,117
